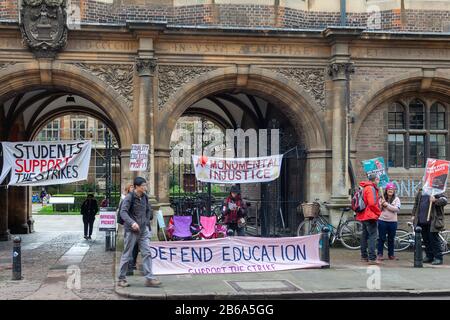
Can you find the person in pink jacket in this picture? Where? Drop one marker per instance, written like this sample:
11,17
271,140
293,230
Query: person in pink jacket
387,222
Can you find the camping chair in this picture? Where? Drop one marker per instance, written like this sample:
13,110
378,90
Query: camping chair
182,227
208,224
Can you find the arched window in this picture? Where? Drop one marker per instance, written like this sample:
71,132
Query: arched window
416,114
437,116
415,133
396,116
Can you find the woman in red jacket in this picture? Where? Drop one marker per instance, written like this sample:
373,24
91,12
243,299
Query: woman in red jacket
369,218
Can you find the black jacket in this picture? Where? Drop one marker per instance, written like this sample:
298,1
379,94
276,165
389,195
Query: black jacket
437,211
89,208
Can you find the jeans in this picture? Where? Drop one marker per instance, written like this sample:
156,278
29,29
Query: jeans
238,231
130,239
88,225
386,228
368,239
432,242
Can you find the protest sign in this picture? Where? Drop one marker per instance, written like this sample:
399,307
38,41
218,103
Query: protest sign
376,166
139,157
45,163
237,170
235,254
435,179
108,218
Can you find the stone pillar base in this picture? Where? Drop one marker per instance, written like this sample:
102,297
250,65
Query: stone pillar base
335,209
5,236
167,211
20,229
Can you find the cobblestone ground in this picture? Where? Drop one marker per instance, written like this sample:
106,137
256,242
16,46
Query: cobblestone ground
57,263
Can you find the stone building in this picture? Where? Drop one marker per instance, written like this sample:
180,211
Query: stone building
342,79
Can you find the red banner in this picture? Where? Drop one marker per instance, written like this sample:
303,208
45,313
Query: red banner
436,175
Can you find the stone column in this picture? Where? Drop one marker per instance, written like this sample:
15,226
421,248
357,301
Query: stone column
340,75
4,231
146,68
18,208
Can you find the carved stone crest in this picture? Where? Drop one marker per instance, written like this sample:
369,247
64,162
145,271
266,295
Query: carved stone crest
171,78
340,70
118,76
310,79
43,26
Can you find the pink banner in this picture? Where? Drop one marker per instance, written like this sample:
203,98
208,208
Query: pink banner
235,254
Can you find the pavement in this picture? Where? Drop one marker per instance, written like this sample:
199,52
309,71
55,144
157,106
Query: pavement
347,277
57,263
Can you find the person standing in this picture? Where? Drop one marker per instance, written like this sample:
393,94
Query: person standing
430,227
89,209
387,223
235,211
137,214
133,260
369,218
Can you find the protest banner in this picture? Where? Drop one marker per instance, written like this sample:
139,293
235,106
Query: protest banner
45,163
376,166
108,218
237,170
235,255
139,157
435,179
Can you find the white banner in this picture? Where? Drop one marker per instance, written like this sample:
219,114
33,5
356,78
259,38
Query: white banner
237,170
139,157
235,255
45,163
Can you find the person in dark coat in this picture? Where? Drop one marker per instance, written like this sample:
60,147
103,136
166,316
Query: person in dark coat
89,209
430,227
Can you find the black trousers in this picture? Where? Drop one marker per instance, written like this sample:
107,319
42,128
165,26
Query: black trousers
431,242
88,225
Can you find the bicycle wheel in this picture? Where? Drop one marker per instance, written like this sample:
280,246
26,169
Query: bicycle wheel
350,234
307,227
445,241
402,241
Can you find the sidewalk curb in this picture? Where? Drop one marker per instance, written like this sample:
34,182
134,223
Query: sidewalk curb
285,295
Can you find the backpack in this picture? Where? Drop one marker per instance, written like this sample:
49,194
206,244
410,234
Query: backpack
119,218
358,204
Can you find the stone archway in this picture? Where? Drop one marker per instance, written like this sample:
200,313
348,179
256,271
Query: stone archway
296,102
20,78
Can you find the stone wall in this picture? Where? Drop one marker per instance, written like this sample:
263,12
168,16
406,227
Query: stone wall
249,14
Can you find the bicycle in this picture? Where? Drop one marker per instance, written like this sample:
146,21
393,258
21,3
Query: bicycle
348,231
404,239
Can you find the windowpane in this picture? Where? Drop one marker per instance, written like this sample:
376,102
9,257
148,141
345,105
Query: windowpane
396,116
416,151
437,146
416,115
395,150
437,116
79,129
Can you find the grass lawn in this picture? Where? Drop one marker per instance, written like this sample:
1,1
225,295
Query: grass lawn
48,210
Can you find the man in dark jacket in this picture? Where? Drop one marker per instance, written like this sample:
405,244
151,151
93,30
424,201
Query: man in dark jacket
89,209
136,226
369,218
431,227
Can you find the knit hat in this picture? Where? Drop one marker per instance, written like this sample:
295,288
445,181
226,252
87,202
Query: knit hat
390,186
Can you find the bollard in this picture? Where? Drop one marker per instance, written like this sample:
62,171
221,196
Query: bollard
418,253
17,259
107,241
325,252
